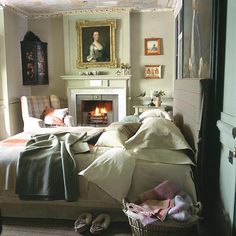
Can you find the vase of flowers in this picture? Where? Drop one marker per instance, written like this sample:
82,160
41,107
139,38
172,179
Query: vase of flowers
158,95
125,68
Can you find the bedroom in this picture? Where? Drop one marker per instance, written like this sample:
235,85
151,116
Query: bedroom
136,27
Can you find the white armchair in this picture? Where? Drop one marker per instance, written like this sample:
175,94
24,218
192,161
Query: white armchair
33,107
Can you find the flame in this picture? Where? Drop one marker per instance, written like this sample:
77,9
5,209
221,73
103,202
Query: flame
99,111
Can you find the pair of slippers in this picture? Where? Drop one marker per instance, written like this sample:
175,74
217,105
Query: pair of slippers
97,226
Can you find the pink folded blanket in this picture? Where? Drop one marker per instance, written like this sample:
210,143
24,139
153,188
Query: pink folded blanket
165,190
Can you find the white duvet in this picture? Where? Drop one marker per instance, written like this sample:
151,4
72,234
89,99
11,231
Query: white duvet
113,170
158,142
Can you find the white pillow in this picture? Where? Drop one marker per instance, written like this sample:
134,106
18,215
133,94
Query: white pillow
117,133
157,133
61,113
112,172
156,113
55,116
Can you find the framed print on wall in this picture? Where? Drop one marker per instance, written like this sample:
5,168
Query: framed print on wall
152,71
152,46
96,43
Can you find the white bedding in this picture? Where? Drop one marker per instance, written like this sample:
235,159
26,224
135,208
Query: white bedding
116,172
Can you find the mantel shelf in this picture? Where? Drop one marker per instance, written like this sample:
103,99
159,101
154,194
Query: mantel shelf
96,77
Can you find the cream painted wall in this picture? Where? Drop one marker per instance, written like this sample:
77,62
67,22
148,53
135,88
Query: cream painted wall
13,28
131,30
122,39
50,30
152,25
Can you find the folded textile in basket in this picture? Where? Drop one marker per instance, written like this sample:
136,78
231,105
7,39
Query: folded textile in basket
150,208
177,205
165,190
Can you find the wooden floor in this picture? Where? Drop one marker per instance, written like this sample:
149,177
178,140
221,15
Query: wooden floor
50,227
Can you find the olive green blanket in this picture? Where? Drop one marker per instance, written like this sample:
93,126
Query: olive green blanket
46,169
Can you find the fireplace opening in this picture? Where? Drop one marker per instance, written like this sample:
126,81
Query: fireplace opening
97,111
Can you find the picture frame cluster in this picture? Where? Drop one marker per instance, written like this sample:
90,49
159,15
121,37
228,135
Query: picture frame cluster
152,47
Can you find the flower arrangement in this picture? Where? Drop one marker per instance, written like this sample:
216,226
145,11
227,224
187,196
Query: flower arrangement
159,93
124,69
125,66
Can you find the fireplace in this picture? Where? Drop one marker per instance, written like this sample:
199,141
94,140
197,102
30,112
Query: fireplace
97,110
83,101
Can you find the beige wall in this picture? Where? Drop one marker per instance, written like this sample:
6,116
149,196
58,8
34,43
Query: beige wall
131,30
50,30
152,25
13,28
122,39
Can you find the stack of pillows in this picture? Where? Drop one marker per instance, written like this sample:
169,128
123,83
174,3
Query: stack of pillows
128,131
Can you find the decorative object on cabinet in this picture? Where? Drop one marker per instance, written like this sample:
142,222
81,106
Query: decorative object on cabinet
34,60
152,72
96,43
152,46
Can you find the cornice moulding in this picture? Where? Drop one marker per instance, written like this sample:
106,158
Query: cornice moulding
97,10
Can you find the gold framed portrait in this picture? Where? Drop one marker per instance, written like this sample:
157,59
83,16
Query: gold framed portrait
96,46
152,46
152,71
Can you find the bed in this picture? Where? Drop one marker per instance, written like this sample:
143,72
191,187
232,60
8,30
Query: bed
128,158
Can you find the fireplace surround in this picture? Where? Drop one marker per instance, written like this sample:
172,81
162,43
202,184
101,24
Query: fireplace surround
98,88
116,95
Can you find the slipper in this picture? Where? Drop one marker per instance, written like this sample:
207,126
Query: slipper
83,222
100,224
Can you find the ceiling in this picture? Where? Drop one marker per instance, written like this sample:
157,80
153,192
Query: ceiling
33,8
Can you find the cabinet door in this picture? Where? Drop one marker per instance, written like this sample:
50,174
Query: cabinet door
227,123
29,63
42,67
34,63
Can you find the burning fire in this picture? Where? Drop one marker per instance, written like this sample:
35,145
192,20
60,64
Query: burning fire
99,111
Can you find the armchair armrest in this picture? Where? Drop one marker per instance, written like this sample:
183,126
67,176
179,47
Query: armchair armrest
33,123
69,122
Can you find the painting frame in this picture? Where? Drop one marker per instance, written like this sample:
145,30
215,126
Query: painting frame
85,34
152,71
152,46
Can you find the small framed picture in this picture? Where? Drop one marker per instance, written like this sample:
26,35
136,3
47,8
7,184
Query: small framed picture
152,71
152,46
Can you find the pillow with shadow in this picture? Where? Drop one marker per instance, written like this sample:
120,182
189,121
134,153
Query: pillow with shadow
156,113
93,138
117,133
131,118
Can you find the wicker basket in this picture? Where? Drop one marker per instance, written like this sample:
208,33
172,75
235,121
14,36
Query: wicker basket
167,228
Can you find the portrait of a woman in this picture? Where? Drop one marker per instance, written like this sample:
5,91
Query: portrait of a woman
97,51
96,43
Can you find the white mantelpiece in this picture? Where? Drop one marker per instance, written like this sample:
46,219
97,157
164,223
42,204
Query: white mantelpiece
98,85
96,77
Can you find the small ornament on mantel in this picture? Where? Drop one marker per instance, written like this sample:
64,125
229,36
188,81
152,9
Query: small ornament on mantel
125,68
